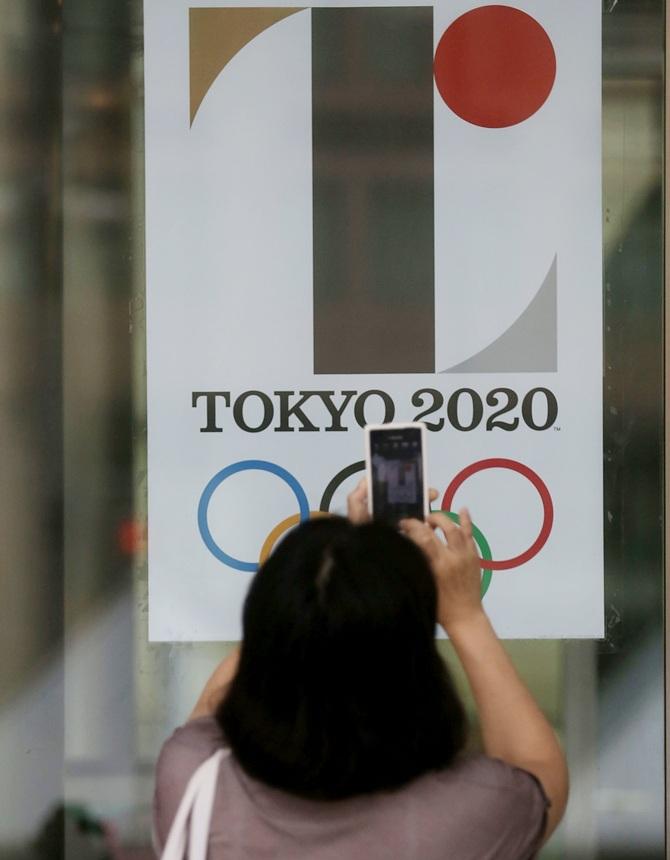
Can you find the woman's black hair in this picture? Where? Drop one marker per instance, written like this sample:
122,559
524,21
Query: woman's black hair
340,688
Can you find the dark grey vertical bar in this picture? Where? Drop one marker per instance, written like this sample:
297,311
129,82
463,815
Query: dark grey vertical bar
31,503
372,103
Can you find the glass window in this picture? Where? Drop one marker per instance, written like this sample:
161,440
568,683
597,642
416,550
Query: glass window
85,699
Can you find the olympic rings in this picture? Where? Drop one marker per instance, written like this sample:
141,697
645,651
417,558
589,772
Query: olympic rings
324,509
217,480
536,481
280,528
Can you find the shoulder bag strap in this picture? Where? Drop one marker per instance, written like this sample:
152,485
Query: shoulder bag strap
194,814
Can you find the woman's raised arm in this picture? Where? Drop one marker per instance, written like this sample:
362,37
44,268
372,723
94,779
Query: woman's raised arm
514,729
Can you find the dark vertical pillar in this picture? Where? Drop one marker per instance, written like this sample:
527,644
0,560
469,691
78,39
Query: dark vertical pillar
372,108
31,504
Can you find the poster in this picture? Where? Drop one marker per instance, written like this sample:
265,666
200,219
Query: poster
362,213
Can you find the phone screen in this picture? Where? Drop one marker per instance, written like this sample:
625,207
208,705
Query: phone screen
397,474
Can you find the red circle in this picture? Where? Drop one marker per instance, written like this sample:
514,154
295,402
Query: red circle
495,66
536,481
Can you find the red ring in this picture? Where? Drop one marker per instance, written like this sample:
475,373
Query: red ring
536,481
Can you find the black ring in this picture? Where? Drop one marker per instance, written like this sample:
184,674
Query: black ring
339,479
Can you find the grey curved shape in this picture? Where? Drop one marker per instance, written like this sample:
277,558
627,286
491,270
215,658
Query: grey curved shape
530,344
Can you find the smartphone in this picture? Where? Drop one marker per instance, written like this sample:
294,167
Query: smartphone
396,470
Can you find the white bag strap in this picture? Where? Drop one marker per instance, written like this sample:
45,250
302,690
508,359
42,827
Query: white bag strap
194,813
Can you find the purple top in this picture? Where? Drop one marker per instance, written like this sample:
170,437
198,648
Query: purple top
479,808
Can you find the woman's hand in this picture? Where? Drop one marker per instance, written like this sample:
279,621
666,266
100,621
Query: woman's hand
357,502
456,565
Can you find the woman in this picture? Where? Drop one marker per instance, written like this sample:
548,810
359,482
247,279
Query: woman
346,733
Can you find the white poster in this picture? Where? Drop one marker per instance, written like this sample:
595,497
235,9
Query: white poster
371,212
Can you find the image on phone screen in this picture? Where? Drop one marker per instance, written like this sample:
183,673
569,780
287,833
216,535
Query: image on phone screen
396,474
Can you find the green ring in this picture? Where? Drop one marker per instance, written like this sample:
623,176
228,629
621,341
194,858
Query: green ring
483,545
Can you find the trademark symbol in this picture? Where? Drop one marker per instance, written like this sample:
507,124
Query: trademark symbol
557,429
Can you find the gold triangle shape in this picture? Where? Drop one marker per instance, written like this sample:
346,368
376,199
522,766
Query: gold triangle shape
216,35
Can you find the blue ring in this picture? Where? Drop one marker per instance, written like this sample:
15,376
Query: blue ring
219,478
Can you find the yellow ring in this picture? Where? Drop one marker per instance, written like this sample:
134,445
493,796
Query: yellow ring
280,528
